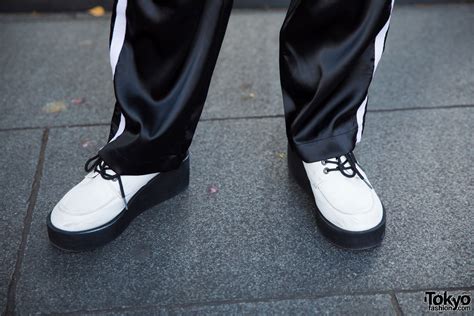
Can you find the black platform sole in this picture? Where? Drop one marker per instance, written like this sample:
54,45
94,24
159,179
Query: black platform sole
161,188
342,238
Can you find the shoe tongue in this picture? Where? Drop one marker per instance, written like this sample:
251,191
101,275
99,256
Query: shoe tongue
343,159
94,174
110,172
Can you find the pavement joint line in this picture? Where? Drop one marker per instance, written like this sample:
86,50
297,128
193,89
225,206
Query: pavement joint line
153,307
250,117
12,286
396,304
211,119
423,108
28,128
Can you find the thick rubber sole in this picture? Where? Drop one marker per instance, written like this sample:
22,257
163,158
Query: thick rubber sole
342,238
161,188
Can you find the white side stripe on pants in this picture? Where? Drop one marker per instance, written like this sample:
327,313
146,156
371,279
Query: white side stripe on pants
116,44
379,46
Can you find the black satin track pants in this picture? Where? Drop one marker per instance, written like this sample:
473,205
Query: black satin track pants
163,54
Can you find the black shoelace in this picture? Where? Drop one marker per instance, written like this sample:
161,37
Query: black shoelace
345,167
98,165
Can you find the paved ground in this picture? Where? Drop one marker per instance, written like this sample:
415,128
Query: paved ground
252,247
83,5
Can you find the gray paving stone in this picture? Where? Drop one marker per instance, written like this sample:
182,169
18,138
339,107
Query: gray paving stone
428,63
57,60
246,80
18,159
414,304
82,5
256,238
428,60
337,305
417,70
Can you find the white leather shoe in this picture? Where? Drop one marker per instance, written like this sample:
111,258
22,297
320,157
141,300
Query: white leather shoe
349,212
100,207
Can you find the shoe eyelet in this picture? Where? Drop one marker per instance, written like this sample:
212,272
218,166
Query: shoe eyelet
325,171
115,180
323,162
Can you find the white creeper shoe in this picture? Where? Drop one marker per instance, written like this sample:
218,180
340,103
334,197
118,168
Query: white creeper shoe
349,212
102,205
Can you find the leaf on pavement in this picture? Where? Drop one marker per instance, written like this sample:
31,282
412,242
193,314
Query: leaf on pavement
78,101
249,96
97,11
55,107
247,92
212,189
281,155
88,143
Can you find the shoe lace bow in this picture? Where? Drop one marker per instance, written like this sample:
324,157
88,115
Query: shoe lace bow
347,167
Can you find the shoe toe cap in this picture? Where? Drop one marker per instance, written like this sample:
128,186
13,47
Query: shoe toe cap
360,212
63,220
83,209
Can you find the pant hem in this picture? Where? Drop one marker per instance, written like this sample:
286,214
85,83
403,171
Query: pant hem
123,166
326,148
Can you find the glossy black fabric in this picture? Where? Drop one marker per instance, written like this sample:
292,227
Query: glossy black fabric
161,80
326,66
170,50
